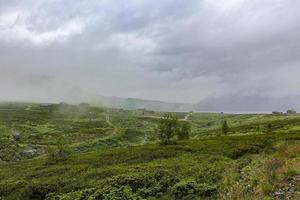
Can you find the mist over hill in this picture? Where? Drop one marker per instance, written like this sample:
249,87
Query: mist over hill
247,104
134,103
227,104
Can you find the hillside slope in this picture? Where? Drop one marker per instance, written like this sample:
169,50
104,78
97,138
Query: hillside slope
65,151
214,168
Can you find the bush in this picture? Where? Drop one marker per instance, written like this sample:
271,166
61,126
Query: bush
9,150
151,184
225,128
39,191
192,189
117,193
184,131
14,188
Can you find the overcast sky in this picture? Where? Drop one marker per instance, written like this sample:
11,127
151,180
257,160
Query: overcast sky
169,50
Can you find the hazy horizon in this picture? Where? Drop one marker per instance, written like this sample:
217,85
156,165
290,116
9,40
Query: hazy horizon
231,55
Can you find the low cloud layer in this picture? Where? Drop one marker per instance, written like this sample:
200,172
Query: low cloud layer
173,50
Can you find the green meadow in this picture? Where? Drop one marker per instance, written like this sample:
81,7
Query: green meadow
80,152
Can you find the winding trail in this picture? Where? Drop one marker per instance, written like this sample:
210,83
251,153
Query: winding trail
107,119
115,129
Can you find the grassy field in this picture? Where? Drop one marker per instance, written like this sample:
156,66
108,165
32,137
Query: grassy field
115,154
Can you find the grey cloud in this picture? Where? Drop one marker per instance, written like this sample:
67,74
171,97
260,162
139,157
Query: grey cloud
170,50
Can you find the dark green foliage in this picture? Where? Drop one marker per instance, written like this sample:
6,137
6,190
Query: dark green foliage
184,131
168,128
190,189
244,149
225,128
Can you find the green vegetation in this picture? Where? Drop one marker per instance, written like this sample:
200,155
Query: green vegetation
80,152
61,152
184,131
225,128
168,128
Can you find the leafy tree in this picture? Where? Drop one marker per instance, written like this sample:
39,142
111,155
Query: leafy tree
168,128
225,128
184,131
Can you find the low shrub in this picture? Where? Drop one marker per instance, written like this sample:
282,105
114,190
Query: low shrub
190,188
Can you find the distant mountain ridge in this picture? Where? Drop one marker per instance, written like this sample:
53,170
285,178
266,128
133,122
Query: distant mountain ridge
228,103
134,103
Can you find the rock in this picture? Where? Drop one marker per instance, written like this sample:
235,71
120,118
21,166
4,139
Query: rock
279,193
31,152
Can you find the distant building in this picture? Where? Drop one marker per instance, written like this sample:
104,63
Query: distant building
277,113
291,112
46,105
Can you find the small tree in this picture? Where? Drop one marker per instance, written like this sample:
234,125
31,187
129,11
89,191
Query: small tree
225,128
168,128
184,132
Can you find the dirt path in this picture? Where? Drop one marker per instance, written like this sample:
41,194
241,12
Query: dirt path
115,129
107,119
186,118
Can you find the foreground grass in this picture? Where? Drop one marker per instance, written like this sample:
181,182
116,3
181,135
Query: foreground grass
229,167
